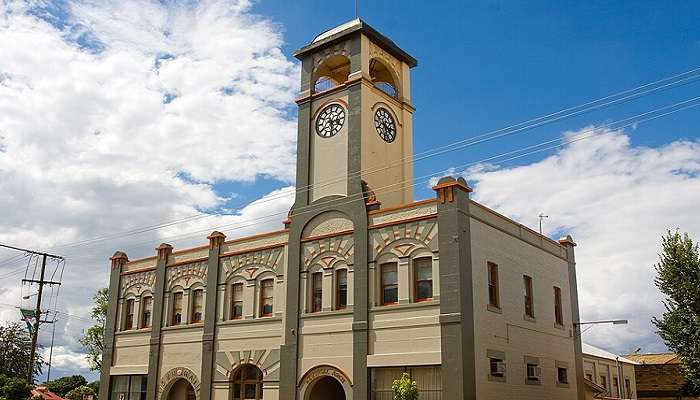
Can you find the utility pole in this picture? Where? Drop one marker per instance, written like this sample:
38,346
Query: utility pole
41,282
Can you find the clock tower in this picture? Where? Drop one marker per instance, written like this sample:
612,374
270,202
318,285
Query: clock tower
355,117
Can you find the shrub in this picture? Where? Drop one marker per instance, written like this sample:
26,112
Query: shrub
404,388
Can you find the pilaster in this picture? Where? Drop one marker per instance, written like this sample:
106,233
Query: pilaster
568,243
216,239
163,251
117,262
456,292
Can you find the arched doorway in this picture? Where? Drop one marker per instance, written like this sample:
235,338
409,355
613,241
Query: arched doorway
246,383
181,390
327,388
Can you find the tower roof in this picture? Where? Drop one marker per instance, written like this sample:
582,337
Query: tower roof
350,27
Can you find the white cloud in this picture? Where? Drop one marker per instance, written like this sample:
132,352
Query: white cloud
120,114
616,200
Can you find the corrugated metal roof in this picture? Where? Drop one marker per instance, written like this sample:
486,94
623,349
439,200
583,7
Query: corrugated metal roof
600,353
655,358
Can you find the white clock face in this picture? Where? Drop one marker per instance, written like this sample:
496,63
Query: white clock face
330,120
385,125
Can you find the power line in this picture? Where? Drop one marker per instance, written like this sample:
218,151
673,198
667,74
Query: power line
629,94
514,154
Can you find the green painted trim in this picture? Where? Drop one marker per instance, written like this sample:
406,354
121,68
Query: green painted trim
157,326
458,372
110,328
210,317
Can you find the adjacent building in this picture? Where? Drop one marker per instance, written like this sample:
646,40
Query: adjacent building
659,376
613,376
361,283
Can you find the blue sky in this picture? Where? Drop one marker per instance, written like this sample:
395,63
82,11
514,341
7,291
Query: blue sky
495,63
152,111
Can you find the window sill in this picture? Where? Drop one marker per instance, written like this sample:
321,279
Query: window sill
494,309
396,306
559,326
535,382
497,378
529,318
133,331
249,320
183,326
562,385
331,313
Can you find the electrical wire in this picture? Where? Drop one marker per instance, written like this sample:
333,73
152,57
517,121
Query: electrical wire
661,84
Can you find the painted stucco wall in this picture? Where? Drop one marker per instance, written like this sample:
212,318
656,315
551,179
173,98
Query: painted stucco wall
507,330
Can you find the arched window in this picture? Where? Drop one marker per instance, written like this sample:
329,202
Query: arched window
341,289
176,318
331,73
146,311
423,278
236,301
382,77
266,297
247,383
316,291
129,308
197,306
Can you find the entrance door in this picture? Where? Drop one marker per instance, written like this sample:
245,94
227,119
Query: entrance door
327,388
181,390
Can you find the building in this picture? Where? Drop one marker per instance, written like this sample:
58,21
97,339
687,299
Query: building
612,375
44,393
659,376
362,283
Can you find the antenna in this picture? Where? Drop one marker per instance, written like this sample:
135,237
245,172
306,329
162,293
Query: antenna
356,13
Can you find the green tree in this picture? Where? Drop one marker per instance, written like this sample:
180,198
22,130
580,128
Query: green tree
79,392
15,350
95,385
14,388
404,388
62,386
678,278
94,336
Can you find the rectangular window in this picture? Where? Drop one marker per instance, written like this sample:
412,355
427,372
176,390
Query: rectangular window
129,387
423,274
604,381
628,388
533,372
177,309
197,305
529,306
316,291
428,380
558,313
266,297
494,300
562,375
129,319
342,289
237,301
147,307
389,284
497,367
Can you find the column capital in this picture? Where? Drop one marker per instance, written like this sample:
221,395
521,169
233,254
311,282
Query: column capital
119,259
164,251
446,186
216,239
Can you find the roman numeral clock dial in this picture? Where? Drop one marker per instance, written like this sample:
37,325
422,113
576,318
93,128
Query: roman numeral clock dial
385,125
330,121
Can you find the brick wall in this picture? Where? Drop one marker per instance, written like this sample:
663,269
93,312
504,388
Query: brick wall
659,382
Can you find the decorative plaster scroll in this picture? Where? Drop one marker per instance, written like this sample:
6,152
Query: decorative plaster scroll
328,251
172,376
268,260
403,239
187,275
137,283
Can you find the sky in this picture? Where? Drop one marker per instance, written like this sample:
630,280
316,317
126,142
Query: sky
127,124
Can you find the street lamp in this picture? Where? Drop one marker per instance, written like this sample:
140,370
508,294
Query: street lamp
606,321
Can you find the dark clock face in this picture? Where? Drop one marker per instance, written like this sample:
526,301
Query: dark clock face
330,120
385,125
